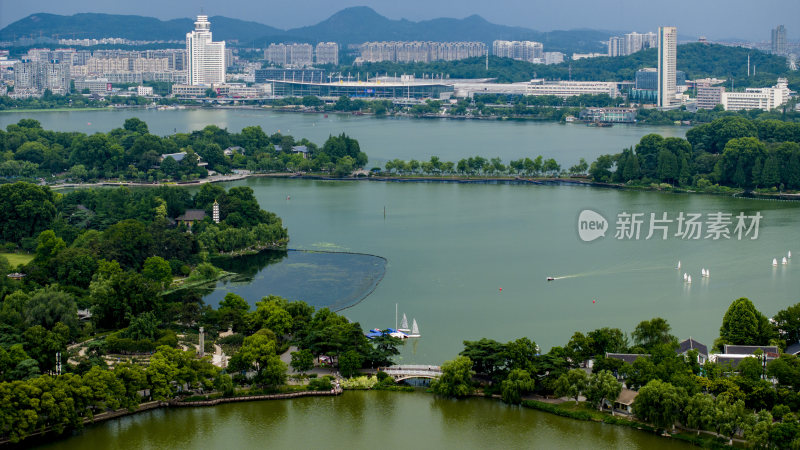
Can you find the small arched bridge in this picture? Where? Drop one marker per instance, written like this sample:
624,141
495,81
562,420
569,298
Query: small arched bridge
400,373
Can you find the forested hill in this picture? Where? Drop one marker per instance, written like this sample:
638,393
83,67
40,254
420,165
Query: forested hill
350,25
696,59
93,25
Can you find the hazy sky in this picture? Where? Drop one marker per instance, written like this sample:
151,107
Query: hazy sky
716,19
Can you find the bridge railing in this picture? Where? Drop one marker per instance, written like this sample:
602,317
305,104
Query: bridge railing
412,370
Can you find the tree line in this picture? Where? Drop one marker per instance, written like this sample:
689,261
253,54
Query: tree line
754,400
133,153
730,151
479,165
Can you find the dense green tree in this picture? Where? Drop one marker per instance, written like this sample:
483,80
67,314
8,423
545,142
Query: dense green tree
49,306
157,269
118,295
602,386
25,210
487,357
572,384
786,370
787,322
743,324
750,368
659,403
302,360
700,412
456,378
232,311
350,362
520,353
260,352
730,417
517,384
650,333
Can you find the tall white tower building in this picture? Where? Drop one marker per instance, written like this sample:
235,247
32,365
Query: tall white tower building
206,59
667,48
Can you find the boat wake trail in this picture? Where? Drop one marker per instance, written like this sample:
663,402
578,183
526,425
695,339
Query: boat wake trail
610,271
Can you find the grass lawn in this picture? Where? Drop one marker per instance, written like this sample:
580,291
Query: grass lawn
16,259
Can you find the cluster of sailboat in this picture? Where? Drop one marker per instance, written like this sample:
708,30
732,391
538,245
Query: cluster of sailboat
784,261
400,332
705,273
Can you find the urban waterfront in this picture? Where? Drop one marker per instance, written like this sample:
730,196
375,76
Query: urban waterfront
360,420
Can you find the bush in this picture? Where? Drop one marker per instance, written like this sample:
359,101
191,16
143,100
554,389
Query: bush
320,384
204,271
359,383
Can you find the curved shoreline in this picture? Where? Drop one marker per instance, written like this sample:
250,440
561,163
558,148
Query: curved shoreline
148,406
547,181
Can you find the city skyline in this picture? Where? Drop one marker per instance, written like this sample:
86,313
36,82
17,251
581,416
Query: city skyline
616,15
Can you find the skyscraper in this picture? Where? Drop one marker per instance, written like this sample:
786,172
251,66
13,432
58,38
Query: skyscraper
206,59
779,40
667,47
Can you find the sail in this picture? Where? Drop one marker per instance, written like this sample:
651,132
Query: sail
414,328
404,325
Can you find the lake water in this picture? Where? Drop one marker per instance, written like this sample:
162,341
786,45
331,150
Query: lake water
382,139
359,420
451,248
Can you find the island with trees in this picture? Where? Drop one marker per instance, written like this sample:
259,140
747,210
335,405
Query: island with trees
133,154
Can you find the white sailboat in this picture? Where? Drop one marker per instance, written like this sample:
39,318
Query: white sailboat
685,276
774,261
785,261
404,324
679,265
789,254
689,280
414,329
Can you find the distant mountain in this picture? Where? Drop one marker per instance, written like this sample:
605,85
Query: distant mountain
348,26
91,25
362,24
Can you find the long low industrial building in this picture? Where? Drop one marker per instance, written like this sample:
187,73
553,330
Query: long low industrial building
365,89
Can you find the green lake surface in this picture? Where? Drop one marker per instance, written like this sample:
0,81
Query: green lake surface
359,420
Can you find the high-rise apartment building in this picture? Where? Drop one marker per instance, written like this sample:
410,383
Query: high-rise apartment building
615,46
779,40
520,50
417,51
299,55
206,59
327,53
38,76
667,48
631,43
